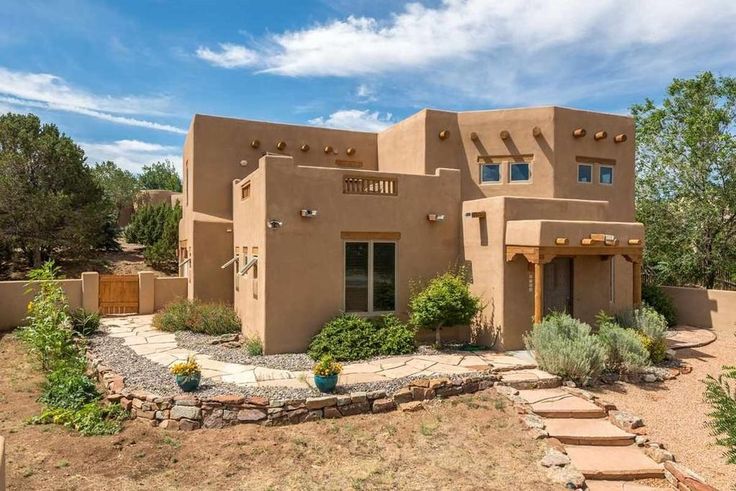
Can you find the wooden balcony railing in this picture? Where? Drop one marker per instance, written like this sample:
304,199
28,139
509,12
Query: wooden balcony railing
379,186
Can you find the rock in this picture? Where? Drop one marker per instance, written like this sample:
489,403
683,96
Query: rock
355,408
422,393
251,415
649,378
320,402
506,390
358,396
659,455
126,404
189,412
185,400
332,412
568,476
214,420
169,424
188,425
678,473
164,414
554,458
228,399
437,383
112,398
569,383
641,440
670,354
225,338
420,382
411,407
376,394
625,420
403,395
383,405
538,434
256,401
557,445
313,415
533,421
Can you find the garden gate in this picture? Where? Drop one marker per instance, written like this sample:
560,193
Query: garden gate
118,294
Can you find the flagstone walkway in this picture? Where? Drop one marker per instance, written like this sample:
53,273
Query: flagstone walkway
161,347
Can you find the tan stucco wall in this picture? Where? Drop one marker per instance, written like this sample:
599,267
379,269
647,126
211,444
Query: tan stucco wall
154,197
704,308
167,289
545,232
14,300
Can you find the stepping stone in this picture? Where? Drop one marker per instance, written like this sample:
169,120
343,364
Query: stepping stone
530,379
587,432
680,337
623,463
619,486
556,403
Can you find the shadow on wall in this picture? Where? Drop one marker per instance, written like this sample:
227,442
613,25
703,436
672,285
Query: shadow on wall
703,308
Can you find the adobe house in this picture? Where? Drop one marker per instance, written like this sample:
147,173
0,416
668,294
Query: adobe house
294,224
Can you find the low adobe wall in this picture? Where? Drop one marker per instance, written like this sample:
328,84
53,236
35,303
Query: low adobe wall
14,299
703,308
167,289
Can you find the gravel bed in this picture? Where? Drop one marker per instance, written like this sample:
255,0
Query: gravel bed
142,373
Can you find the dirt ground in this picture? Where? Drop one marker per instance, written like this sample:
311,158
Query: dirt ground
129,260
469,442
675,412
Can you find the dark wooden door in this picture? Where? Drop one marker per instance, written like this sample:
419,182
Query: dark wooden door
558,285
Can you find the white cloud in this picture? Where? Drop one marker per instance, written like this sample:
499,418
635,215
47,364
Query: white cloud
229,56
131,154
366,93
355,119
46,91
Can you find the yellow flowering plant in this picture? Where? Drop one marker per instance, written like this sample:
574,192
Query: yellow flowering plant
327,366
186,368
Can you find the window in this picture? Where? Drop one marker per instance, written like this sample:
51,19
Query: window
370,277
490,173
585,173
606,174
245,191
520,171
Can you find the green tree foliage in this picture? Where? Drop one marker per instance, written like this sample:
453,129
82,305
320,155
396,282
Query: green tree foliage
655,297
120,186
50,203
445,301
721,394
156,227
160,175
686,188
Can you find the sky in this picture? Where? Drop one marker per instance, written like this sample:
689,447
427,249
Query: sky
124,79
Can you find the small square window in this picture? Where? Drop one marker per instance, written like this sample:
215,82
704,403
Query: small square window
585,173
245,191
520,171
606,174
490,173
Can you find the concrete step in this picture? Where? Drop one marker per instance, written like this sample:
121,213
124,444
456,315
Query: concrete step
556,403
587,432
623,486
530,379
613,463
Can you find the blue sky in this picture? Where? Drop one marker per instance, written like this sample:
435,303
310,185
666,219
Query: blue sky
124,78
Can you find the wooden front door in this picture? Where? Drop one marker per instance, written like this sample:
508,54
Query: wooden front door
118,294
558,285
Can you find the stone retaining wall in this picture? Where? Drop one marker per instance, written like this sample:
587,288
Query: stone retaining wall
190,412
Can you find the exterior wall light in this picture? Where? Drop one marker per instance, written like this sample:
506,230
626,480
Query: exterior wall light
434,217
281,145
243,163
255,144
307,213
600,135
274,223
620,138
578,132
444,134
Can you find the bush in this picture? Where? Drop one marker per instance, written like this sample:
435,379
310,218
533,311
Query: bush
85,323
654,296
565,346
90,419
349,337
624,350
253,346
445,301
652,327
197,316
721,395
68,387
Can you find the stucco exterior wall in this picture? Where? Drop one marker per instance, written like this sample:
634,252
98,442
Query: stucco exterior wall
704,308
402,147
14,300
167,289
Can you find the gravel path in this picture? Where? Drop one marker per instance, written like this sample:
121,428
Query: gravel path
141,373
676,414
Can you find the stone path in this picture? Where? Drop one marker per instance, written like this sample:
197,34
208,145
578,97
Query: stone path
519,368
680,337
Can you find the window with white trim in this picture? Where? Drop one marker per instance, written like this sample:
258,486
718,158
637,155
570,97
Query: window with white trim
520,172
585,173
370,276
490,173
605,174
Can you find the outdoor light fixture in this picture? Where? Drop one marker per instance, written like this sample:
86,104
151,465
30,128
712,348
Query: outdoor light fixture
307,213
243,163
273,223
329,149
434,217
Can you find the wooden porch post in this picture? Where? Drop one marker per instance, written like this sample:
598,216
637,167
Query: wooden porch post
637,283
538,292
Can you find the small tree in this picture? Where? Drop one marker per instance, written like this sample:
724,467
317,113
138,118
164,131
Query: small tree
160,175
445,301
119,185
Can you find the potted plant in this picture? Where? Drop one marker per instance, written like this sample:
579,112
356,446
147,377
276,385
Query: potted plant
188,373
325,374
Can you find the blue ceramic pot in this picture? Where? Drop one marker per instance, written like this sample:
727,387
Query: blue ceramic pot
325,384
188,383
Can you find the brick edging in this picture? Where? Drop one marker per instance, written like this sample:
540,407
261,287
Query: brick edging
190,412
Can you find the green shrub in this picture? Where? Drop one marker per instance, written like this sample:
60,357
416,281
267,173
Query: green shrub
655,297
91,419
565,346
445,301
162,253
720,393
147,224
253,346
69,387
652,326
197,316
85,323
350,337
624,350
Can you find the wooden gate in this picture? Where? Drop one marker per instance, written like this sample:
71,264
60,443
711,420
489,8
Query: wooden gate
118,294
